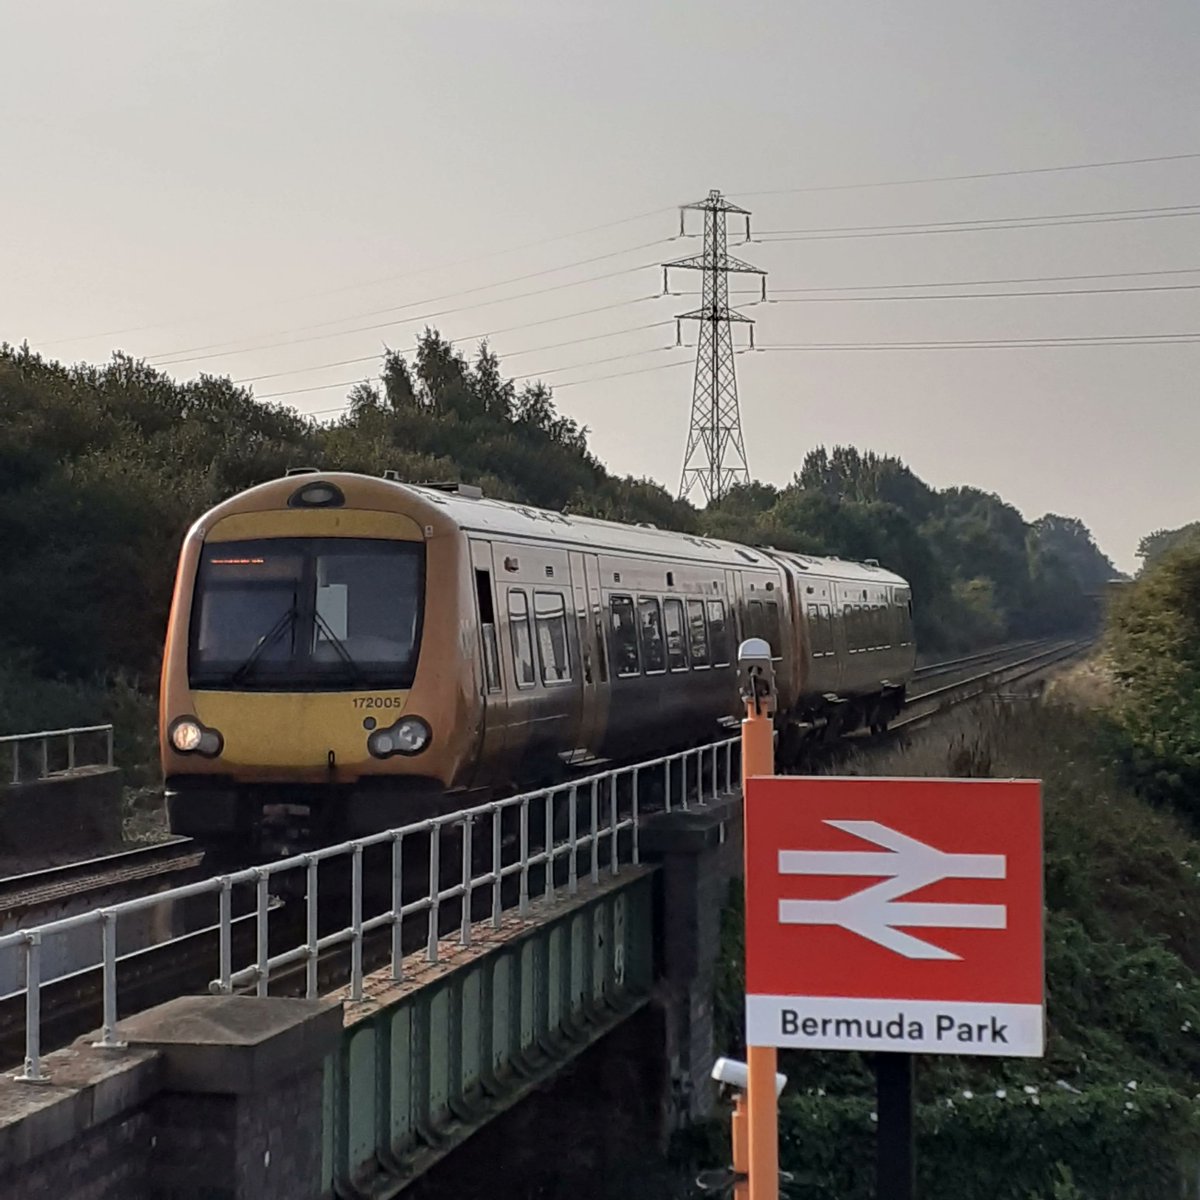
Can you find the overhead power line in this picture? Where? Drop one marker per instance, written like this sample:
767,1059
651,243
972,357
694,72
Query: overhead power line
929,227
591,337
324,387
469,337
883,183
681,362
1117,291
427,316
879,287
236,347
378,281
1135,339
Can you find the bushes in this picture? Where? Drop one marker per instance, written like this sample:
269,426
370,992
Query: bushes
1153,644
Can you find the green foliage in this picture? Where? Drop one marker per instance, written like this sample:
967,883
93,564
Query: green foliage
1161,542
979,573
1154,647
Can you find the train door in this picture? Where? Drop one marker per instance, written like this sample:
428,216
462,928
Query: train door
733,589
493,731
585,587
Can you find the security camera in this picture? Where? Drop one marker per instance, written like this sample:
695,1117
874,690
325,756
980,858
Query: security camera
736,1074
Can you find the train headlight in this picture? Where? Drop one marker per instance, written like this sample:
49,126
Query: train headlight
409,735
188,736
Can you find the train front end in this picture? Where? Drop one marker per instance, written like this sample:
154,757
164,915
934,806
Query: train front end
310,690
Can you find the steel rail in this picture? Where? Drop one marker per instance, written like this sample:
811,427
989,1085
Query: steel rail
25,891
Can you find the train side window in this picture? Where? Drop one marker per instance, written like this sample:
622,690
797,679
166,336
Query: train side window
771,630
487,630
818,631
697,633
754,619
522,642
677,658
550,615
718,633
623,636
650,631
851,626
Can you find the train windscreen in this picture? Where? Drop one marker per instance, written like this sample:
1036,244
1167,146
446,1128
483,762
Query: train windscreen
315,613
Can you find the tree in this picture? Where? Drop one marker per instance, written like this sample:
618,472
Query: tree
1161,542
1153,643
1072,541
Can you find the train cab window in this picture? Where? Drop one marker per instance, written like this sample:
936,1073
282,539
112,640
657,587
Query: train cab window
651,633
677,658
522,641
623,636
550,616
718,633
697,633
487,630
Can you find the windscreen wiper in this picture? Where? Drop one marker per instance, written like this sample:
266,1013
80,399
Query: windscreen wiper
285,622
338,645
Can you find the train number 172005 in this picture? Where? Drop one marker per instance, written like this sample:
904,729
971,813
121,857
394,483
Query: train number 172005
378,702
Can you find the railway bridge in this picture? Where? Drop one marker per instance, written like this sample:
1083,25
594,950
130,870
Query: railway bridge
564,929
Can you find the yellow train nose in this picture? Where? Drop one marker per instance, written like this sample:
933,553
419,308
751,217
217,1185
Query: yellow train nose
296,731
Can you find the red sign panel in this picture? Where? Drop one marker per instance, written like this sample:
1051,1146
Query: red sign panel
894,914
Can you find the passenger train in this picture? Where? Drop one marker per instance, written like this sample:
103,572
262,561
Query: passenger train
346,654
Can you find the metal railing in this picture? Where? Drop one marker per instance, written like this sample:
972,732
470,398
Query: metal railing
54,750
483,860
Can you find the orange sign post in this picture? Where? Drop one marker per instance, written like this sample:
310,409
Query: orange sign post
758,758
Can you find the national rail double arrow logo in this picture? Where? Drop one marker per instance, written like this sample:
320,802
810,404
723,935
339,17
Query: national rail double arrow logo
906,865
894,914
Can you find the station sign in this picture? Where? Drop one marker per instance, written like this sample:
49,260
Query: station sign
895,914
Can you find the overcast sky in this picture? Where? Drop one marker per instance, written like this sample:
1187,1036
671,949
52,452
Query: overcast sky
196,178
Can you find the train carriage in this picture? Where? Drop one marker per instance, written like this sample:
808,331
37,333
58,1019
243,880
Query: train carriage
346,653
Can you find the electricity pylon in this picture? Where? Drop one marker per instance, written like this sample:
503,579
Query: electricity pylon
716,454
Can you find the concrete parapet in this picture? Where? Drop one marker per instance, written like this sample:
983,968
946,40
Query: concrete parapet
88,1134
78,811
240,1114
699,851
218,1097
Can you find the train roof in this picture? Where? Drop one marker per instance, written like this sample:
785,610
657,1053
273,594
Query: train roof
471,510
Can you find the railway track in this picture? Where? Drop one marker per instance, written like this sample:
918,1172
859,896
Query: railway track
918,709
21,896
71,1005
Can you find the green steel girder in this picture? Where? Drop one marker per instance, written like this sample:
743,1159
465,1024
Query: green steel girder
426,1063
